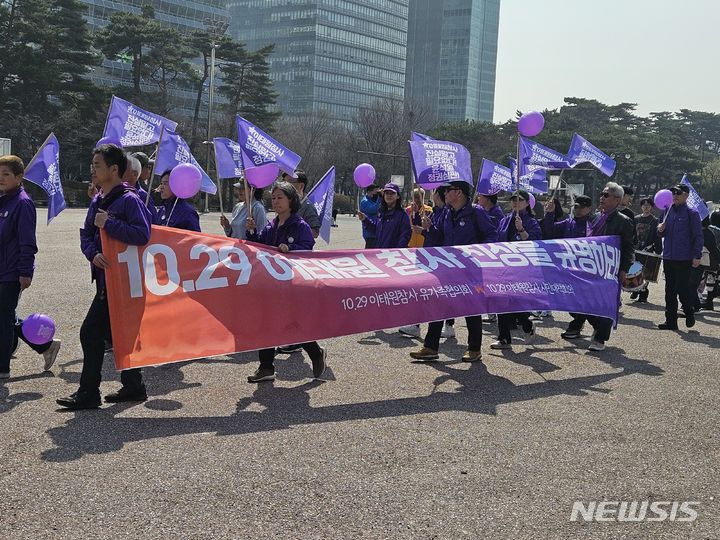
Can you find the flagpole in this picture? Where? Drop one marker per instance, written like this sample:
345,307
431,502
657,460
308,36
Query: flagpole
38,151
167,224
219,180
152,171
107,117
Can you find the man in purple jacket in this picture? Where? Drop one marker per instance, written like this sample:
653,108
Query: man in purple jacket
124,217
17,261
462,224
682,249
577,226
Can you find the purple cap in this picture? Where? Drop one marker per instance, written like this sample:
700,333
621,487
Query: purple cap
392,187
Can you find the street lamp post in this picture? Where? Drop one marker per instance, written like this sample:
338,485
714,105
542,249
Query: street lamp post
216,28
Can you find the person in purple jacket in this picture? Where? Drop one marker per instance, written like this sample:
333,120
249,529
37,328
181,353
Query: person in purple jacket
392,225
17,261
577,226
287,232
120,212
132,178
519,224
462,224
176,212
490,205
681,230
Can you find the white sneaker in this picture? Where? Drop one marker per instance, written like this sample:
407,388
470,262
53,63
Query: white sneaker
412,330
51,354
447,331
596,345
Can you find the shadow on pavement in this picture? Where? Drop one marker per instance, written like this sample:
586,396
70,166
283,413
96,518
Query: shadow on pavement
476,391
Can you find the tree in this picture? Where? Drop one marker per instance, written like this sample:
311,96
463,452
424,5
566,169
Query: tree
166,65
247,88
130,34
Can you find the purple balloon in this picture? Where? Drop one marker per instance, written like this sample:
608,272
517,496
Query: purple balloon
663,199
185,180
38,328
532,200
108,140
364,175
263,175
531,123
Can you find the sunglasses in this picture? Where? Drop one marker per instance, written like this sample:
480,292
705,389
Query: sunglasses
677,191
606,194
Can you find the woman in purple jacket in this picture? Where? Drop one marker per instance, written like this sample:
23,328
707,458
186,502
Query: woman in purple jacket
176,212
392,226
287,232
519,225
17,261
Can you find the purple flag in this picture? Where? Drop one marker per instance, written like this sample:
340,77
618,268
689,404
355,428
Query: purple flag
228,158
133,126
533,178
322,196
415,136
436,162
493,178
173,151
695,201
44,170
259,148
582,151
532,153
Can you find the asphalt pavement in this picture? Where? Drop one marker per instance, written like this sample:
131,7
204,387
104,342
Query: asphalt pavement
383,448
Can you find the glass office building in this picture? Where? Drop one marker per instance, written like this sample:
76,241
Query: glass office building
452,55
184,15
332,55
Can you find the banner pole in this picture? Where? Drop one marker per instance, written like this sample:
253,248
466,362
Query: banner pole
171,211
152,171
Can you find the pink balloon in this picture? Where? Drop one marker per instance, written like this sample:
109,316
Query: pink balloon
663,199
532,200
108,140
364,175
263,175
185,180
38,328
531,123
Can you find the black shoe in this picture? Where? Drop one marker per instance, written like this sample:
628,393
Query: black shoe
262,374
319,363
668,326
108,347
634,295
128,394
706,307
288,349
570,334
80,400
690,320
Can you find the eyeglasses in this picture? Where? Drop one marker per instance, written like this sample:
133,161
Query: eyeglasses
606,194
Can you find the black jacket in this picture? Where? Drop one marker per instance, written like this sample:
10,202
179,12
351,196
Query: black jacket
621,225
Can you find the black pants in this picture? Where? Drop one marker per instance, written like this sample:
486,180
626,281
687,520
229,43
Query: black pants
678,283
601,325
696,276
369,243
506,320
94,331
267,356
11,326
474,326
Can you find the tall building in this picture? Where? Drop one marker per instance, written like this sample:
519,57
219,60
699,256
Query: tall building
184,15
332,55
451,57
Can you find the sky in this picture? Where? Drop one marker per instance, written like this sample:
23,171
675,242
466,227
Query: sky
661,54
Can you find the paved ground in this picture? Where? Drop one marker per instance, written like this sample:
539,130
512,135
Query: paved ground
385,449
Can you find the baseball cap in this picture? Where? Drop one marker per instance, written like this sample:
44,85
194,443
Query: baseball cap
678,188
583,201
392,187
522,194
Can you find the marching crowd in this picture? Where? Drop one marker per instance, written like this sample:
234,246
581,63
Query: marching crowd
688,247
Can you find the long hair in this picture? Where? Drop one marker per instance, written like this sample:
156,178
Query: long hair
384,207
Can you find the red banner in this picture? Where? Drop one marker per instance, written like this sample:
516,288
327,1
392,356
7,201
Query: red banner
189,295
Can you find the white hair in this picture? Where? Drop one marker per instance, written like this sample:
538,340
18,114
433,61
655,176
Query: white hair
134,164
615,189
